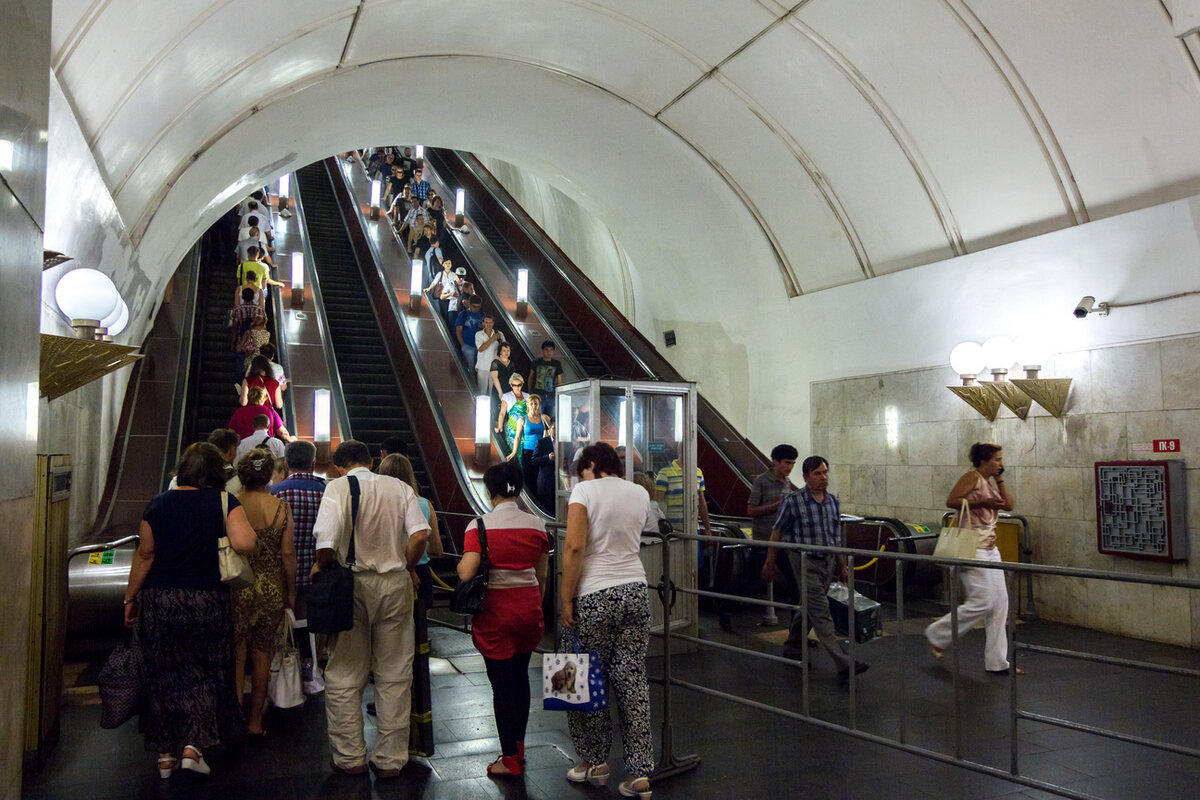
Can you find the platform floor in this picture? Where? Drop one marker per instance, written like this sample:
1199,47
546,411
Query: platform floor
744,752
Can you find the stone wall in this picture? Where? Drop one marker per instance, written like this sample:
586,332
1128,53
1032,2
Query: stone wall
896,443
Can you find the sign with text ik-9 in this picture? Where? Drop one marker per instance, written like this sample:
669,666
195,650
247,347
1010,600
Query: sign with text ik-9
1166,446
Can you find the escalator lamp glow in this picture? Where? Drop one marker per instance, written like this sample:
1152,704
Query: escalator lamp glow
6,155
285,185
483,419
460,206
416,278
298,270
679,419
376,192
321,421
622,428
564,413
522,285
420,151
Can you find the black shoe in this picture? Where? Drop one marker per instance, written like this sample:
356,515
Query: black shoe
726,622
859,668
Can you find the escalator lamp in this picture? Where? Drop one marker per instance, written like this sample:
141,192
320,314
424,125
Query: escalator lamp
483,419
297,270
522,285
416,277
420,151
622,426
321,421
460,206
285,185
564,413
376,191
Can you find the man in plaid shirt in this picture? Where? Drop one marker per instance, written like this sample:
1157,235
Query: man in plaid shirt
813,516
302,491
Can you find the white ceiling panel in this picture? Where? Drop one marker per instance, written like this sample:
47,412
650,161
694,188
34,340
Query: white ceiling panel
934,78
236,95
601,48
67,23
710,30
719,124
215,52
817,107
123,38
1118,89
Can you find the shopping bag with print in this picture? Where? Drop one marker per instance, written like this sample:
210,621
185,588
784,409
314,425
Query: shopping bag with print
285,689
573,681
122,684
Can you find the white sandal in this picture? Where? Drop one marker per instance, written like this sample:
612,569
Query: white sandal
628,789
595,774
166,766
196,764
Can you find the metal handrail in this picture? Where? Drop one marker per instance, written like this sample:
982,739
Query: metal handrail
670,765
100,547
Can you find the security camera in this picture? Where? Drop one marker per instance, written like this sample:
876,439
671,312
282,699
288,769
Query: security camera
1085,306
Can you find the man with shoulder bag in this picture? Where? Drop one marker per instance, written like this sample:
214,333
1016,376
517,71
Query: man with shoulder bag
380,534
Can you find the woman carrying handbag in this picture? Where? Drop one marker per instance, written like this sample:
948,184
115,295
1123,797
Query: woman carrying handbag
985,494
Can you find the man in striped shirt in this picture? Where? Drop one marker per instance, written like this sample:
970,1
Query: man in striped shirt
302,491
813,516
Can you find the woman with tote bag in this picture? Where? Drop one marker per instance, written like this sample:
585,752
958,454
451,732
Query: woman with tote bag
985,494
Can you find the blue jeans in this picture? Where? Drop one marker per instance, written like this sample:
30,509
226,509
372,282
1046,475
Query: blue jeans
470,354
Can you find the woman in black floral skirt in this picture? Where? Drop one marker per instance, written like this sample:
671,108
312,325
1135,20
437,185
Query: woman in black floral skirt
176,595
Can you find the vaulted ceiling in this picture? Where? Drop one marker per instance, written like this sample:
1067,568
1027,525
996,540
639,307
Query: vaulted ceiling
837,139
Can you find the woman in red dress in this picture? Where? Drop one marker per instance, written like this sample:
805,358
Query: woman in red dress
510,626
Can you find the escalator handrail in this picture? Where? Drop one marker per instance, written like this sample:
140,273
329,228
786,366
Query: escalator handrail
281,343
478,504
183,372
338,399
100,547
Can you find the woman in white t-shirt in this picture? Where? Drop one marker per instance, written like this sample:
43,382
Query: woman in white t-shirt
604,601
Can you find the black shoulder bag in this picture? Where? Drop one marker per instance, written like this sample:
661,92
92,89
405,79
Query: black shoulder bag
331,595
469,595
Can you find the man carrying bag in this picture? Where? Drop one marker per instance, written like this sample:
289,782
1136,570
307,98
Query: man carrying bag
389,533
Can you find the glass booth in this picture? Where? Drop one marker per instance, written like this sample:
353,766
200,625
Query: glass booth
653,427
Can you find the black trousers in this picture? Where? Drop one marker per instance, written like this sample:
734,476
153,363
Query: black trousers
510,698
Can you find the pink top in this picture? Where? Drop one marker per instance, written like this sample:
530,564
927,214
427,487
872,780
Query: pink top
983,520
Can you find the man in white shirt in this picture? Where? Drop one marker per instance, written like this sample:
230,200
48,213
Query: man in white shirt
389,537
260,438
487,344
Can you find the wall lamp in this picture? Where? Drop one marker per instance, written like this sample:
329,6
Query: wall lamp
298,279
376,193
969,359
86,296
114,323
522,292
416,280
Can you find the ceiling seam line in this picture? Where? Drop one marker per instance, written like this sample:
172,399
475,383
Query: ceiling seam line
822,184
921,169
136,83
100,166
736,52
211,88
350,35
1035,118
85,23
1189,56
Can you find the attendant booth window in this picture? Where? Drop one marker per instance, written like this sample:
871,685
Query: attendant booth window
653,425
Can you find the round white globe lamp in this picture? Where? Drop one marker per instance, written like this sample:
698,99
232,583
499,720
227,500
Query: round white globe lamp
999,353
967,360
86,296
117,320
1033,353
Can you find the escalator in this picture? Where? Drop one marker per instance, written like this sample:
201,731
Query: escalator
374,404
598,336
214,398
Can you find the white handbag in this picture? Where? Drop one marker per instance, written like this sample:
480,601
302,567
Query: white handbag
285,689
235,567
958,539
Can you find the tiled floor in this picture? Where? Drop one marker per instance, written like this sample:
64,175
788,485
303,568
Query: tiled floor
745,753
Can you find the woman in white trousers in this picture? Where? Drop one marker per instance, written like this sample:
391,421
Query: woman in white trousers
986,495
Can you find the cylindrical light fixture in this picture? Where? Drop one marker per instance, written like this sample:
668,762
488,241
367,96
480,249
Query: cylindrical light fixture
522,292
86,296
483,429
420,150
416,280
285,190
322,423
460,206
298,278
376,193
999,353
679,420
563,413
968,361
6,155
622,428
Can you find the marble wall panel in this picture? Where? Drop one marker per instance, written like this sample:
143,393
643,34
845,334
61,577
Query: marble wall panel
1080,440
835,447
929,444
1181,372
910,486
971,431
828,405
1078,367
943,480
1182,424
864,444
863,484
1128,378
937,402
863,400
1016,436
1050,491
902,397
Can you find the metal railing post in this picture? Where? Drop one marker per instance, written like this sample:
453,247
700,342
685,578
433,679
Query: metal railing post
804,627
852,649
668,764
954,665
900,652
1010,633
